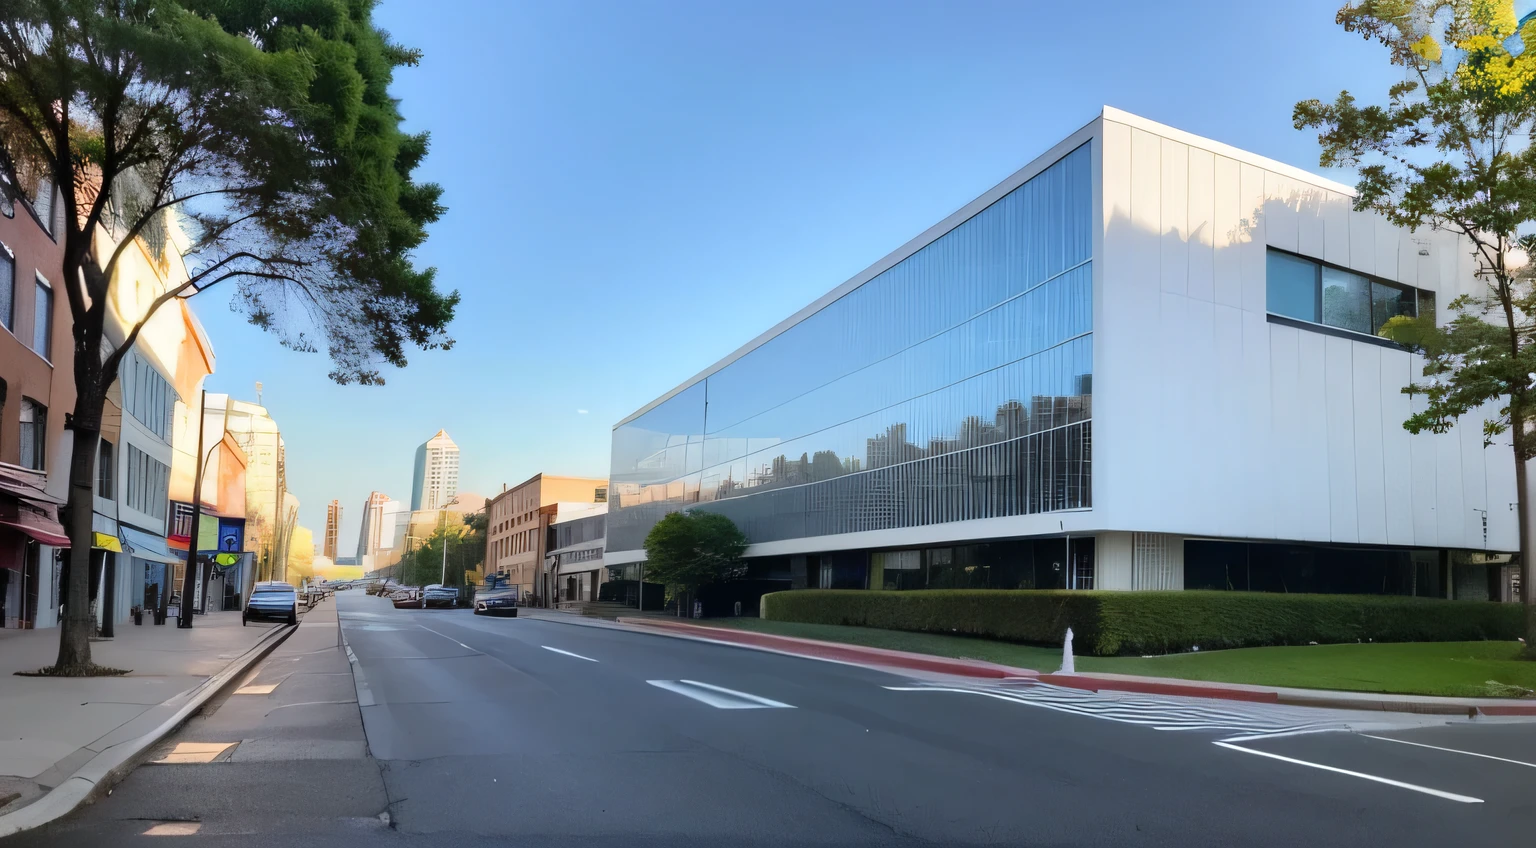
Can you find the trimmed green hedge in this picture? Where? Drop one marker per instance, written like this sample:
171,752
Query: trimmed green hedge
1110,623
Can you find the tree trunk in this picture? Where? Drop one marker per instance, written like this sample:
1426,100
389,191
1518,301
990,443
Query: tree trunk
1527,559
75,633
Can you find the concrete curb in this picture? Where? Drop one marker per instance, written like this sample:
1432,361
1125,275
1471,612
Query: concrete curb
857,655
109,767
1149,687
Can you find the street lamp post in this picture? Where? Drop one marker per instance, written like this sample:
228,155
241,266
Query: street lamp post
443,580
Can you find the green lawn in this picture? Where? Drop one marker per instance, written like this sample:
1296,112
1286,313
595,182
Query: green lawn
1419,668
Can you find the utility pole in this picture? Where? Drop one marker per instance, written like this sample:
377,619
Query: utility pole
442,522
184,618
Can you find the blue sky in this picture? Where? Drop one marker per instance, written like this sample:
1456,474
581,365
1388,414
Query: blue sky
637,188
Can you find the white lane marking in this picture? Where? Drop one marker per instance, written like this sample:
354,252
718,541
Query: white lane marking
174,829
718,696
567,653
449,638
1413,787
1451,750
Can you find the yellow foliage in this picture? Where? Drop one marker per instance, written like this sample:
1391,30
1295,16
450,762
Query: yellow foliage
1497,17
1427,48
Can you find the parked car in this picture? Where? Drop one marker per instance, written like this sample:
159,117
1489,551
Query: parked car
272,601
406,598
497,602
438,595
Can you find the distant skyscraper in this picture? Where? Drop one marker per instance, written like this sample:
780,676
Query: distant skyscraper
437,473
332,529
372,533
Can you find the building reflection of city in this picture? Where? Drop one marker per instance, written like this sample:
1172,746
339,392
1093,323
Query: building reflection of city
1032,456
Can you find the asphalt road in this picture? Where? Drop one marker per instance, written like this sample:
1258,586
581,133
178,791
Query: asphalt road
438,728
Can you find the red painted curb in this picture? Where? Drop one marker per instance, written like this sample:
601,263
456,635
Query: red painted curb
845,653
1099,684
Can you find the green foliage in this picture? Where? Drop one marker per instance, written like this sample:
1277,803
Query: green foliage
686,550
1450,149
1111,623
423,565
265,127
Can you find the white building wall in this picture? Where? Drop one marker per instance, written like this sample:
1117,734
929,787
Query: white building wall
1211,421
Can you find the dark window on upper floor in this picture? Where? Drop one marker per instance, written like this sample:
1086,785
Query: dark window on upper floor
34,434
104,471
7,289
42,319
1310,291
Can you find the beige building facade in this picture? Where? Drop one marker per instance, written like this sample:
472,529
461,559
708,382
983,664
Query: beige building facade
517,527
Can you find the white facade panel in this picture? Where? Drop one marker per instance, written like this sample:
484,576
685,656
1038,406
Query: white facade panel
1338,372
1426,524
1312,228
1202,210
1474,480
1362,242
1229,444
1256,462
1310,441
1251,247
1174,187
1243,426
1281,220
1289,460
1450,506
1388,246
1335,216
1397,454
1224,232
1503,520
1408,259
1370,470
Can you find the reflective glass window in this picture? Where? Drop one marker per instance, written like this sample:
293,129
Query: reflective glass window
1292,286
1389,301
1346,300
954,385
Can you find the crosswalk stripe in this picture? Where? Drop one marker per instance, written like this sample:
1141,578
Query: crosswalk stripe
1156,713
719,697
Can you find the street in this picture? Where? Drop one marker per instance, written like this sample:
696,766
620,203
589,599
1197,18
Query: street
438,727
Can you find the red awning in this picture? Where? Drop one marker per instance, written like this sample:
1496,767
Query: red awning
35,519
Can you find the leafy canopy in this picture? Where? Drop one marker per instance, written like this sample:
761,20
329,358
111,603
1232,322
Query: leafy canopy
1450,149
686,550
265,127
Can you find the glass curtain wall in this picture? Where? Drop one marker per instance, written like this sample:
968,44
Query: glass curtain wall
955,385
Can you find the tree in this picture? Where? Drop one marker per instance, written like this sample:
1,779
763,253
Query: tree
266,129
466,551
1450,149
686,550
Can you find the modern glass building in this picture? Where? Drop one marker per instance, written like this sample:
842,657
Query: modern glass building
1087,378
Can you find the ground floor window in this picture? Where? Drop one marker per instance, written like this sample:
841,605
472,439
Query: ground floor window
1054,563
1281,567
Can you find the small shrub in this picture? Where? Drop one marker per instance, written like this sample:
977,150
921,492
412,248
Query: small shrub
1109,623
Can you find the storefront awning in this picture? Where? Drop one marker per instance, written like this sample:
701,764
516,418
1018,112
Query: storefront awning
103,542
146,547
36,519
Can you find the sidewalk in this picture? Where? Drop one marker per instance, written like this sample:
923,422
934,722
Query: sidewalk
1094,682
52,727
